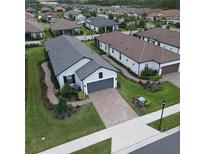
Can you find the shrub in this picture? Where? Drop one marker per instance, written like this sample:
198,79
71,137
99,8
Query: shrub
32,45
66,90
57,92
81,95
147,103
62,107
147,72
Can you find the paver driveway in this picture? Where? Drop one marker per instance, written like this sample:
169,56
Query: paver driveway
173,78
112,108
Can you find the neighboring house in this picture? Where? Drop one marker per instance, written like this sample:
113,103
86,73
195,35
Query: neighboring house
97,23
30,10
48,16
45,9
74,63
62,26
172,20
163,38
137,54
164,15
33,30
29,15
75,15
59,9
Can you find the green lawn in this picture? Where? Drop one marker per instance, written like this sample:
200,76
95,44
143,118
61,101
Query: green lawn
103,147
86,31
168,122
91,45
41,123
129,89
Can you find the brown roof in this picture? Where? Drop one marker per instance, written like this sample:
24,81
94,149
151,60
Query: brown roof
29,15
32,26
62,24
163,35
169,13
137,49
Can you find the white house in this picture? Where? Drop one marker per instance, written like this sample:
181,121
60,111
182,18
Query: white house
97,23
137,54
76,15
74,63
163,38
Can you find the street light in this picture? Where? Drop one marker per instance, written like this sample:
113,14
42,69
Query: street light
163,105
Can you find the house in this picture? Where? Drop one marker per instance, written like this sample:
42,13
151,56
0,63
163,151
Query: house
48,16
59,9
172,20
74,63
61,26
75,15
101,24
163,15
30,10
137,54
29,15
45,9
33,30
163,38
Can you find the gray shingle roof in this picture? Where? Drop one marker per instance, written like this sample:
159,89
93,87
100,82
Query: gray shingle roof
100,21
87,69
64,51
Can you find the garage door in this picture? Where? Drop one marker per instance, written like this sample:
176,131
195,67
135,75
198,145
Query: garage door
170,69
100,85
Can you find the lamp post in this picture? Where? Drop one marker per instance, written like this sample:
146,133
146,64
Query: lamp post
163,105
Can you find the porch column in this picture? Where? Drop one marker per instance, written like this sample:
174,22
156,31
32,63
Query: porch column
105,29
160,71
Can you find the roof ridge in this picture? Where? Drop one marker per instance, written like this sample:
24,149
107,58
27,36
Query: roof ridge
142,51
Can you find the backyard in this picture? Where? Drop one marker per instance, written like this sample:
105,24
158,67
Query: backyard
168,122
103,147
129,89
86,31
39,120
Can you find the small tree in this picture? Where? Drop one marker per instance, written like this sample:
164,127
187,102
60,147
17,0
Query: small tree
158,24
141,23
93,13
177,25
144,15
101,30
131,27
122,25
62,107
111,16
66,90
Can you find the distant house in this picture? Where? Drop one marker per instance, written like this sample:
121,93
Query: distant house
173,20
33,29
137,54
75,64
45,9
48,16
59,9
78,16
163,38
62,26
30,10
164,15
97,23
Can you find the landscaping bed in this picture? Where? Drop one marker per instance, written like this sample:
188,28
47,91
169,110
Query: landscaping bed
40,122
129,89
103,147
168,122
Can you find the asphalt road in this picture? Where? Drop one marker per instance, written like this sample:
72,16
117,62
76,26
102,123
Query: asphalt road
167,145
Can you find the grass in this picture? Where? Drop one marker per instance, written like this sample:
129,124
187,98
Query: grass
168,122
103,147
86,31
91,45
129,89
39,120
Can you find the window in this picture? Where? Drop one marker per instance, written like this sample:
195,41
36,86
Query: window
100,75
133,64
120,56
112,50
146,65
127,60
69,79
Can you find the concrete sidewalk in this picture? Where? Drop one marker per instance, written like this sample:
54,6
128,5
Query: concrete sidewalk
123,135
